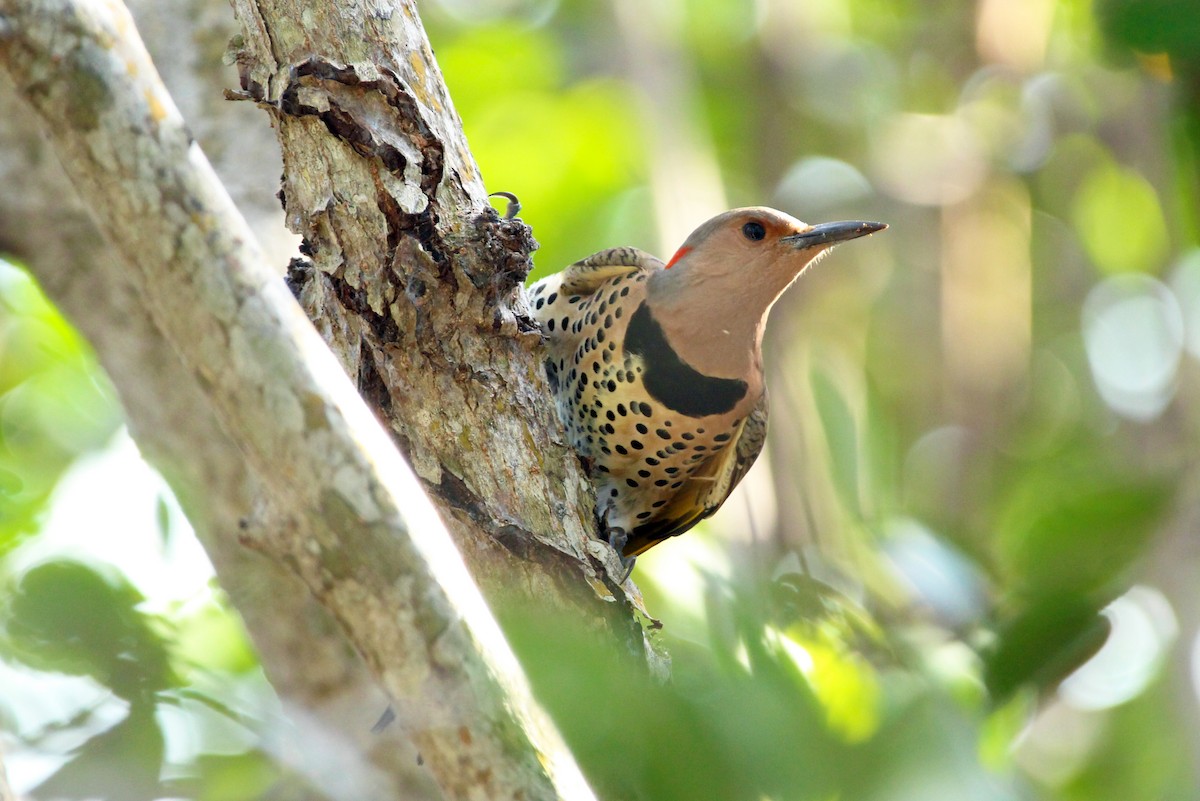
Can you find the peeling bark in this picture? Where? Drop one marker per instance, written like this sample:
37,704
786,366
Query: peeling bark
417,284
356,531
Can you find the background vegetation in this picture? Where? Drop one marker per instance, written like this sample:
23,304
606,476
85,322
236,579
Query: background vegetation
967,566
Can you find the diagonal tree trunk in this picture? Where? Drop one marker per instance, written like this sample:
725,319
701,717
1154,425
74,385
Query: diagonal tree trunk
417,286
324,687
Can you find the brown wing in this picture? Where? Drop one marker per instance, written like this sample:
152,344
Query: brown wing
585,276
554,296
709,487
750,443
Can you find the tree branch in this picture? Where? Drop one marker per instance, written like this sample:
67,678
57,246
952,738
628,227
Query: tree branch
365,542
330,698
324,687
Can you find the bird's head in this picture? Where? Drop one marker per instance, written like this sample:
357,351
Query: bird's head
759,244
714,297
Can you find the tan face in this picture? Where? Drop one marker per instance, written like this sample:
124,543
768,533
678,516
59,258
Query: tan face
741,243
713,298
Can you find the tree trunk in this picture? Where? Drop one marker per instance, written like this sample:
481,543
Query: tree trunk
417,286
324,686
418,281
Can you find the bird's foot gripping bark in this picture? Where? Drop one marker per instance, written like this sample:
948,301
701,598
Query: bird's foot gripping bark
617,538
512,207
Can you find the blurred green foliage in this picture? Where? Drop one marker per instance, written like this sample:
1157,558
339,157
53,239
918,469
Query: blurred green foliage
973,474
63,616
68,617
984,420
54,404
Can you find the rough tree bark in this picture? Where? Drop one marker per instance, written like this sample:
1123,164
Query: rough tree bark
416,284
328,694
424,265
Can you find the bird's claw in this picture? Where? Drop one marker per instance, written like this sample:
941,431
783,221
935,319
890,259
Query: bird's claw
617,538
512,208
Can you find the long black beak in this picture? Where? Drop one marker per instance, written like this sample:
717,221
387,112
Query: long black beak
832,233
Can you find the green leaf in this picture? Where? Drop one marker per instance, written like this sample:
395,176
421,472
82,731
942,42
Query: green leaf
230,777
1075,529
1153,26
67,617
123,762
1044,644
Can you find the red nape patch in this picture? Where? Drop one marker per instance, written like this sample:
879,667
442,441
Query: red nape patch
679,254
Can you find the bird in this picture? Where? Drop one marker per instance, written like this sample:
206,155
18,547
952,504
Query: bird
656,367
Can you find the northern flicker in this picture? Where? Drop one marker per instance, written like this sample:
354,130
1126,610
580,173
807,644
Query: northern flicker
657,368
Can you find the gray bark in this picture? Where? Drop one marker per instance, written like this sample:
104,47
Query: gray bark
315,458
306,659
330,696
417,287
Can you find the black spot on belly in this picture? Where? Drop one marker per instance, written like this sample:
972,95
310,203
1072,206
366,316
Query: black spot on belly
671,381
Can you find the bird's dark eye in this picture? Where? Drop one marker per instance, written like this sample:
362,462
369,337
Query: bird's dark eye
754,231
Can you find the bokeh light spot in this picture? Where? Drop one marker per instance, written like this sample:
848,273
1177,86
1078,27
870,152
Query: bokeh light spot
1143,628
928,159
1133,333
1118,218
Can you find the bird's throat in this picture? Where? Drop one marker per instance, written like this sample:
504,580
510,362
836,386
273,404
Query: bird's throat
723,338
670,379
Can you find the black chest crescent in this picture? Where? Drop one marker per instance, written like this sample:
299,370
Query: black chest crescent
671,381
